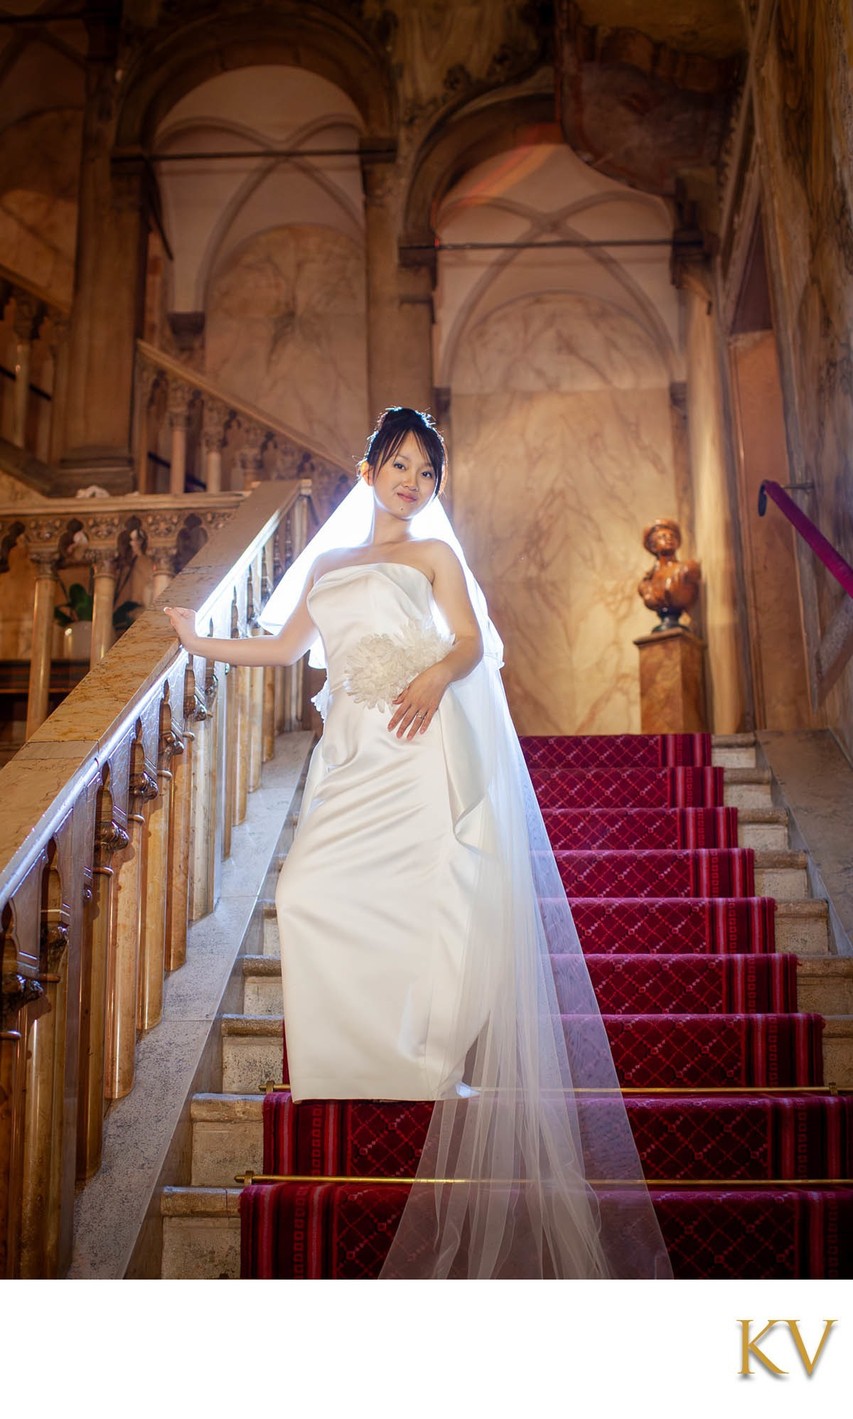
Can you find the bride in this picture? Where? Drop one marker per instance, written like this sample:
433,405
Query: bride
420,903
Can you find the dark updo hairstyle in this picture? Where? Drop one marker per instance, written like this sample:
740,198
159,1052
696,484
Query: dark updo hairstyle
391,428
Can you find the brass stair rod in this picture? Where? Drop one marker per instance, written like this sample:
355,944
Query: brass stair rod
248,1178
701,1090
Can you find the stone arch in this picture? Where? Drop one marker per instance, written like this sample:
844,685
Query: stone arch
454,147
178,61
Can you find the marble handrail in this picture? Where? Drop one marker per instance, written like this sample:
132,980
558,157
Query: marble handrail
53,306
116,816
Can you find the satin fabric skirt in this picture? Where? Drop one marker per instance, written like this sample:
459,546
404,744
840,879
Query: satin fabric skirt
374,904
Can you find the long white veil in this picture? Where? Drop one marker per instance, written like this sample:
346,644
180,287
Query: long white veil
531,1171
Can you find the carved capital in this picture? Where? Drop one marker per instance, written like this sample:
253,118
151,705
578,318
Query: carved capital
29,312
179,397
17,992
143,785
110,837
163,559
171,742
54,944
211,685
46,561
217,417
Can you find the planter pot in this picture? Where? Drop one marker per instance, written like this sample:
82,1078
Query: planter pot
77,641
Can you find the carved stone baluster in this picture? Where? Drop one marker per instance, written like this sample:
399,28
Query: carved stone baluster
180,398
295,674
44,1110
243,737
146,379
163,559
208,798
177,900
153,959
46,563
110,837
280,676
16,994
251,457
269,671
129,888
229,741
161,532
106,571
255,726
216,419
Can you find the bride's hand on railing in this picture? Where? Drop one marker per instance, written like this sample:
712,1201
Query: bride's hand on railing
183,624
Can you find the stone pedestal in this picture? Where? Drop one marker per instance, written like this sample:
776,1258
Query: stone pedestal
672,682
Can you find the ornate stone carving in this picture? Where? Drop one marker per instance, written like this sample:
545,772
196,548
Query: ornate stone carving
669,587
217,417
54,944
29,312
17,992
110,837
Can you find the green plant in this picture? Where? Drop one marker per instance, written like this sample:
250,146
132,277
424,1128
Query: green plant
80,605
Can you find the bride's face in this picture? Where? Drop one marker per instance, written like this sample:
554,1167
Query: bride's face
405,483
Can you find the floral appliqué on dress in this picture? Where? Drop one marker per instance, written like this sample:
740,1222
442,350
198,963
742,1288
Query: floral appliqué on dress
379,667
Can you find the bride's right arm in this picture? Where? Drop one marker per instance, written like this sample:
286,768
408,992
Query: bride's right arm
284,648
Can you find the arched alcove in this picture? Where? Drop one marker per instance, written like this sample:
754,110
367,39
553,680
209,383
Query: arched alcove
267,252
558,364
180,59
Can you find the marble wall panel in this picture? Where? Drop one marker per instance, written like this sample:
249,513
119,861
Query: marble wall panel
285,330
778,653
804,99
562,452
39,177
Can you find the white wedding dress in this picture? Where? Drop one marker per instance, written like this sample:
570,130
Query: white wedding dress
418,910
374,900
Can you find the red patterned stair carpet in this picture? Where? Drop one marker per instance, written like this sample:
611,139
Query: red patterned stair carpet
683,960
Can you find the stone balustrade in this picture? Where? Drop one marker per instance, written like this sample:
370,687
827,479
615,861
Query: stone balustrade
117,815
191,435
30,413
143,541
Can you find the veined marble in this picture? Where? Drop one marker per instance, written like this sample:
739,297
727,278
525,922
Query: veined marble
286,330
559,461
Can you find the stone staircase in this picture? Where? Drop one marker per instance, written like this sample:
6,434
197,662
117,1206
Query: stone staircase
201,1224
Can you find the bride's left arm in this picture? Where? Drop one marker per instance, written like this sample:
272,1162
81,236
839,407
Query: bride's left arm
417,704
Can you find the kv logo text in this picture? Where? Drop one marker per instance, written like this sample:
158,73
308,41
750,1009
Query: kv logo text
749,1347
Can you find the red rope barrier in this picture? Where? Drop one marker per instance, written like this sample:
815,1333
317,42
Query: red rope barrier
832,560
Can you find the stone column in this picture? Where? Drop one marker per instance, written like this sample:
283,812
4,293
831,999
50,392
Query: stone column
251,457
416,322
44,1099
112,229
44,601
17,993
25,327
60,325
110,837
105,569
180,396
216,418
163,559
152,963
129,887
384,346
146,378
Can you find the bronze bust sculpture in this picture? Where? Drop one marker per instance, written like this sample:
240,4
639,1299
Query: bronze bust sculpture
670,586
